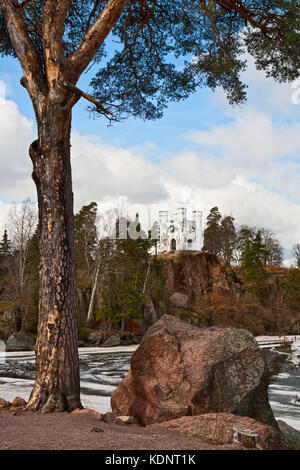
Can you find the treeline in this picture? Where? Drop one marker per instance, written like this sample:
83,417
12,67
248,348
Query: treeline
115,272
119,279
120,269
253,253
234,246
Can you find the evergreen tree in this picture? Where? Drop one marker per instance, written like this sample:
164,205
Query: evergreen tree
212,233
85,236
253,259
5,253
292,289
245,238
228,238
124,294
5,246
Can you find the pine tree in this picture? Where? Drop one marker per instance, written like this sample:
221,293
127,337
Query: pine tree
253,260
124,294
5,245
228,238
5,252
212,233
85,236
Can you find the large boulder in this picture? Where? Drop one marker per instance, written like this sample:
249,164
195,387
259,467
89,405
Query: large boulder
180,370
20,342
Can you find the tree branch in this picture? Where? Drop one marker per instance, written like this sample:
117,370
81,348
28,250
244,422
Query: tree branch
99,105
24,48
94,38
245,13
54,15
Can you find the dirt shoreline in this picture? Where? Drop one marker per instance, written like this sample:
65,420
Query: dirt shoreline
24,430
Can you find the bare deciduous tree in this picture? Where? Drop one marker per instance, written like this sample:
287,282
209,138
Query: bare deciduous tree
296,254
21,225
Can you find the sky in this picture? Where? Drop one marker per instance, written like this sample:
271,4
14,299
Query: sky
202,153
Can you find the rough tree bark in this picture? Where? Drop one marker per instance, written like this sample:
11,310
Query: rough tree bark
57,385
50,80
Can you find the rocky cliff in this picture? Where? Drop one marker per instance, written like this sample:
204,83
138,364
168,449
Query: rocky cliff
203,291
193,281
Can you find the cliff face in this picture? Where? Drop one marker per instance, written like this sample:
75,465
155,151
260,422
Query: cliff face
196,274
192,281
204,292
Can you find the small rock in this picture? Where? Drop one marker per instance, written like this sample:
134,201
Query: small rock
94,338
97,430
126,420
88,411
113,418
10,320
137,339
4,403
246,438
114,340
109,418
18,403
127,340
178,299
20,342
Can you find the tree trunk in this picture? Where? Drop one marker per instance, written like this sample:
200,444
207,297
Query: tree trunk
57,385
122,326
89,319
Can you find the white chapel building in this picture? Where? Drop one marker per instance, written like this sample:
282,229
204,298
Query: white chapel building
178,233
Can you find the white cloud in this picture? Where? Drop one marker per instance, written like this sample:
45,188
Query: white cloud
16,134
101,171
250,136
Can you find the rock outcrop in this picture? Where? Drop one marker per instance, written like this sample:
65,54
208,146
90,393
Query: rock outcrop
181,370
192,281
20,342
189,275
291,436
226,428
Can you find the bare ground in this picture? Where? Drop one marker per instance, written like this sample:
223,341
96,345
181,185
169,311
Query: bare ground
24,430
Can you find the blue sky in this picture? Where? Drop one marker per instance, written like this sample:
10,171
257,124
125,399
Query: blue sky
202,153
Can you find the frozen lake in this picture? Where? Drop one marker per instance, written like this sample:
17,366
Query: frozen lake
102,370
